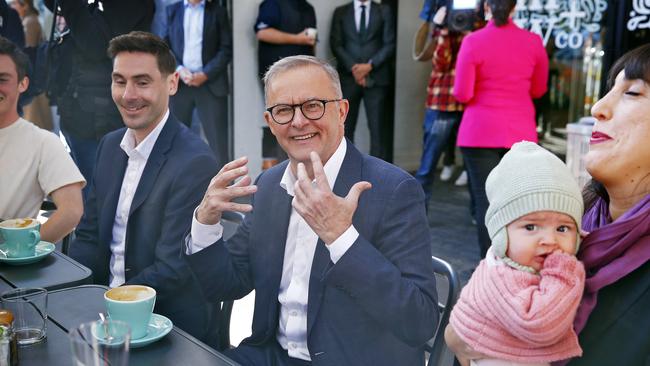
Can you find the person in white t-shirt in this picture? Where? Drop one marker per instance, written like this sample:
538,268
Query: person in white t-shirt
33,162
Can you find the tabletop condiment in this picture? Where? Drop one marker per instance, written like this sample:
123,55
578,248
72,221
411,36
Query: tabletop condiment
8,343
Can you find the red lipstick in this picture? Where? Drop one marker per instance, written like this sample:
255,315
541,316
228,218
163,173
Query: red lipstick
598,137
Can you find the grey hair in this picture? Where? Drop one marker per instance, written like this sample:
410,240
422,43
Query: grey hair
295,62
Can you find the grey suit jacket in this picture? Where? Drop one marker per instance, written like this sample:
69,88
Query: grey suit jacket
378,45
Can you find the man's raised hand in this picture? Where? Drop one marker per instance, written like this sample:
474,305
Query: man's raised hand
221,192
326,213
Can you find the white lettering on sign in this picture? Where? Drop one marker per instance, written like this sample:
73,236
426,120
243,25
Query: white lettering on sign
639,16
567,21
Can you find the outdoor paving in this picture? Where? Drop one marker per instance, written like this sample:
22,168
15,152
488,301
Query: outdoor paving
453,235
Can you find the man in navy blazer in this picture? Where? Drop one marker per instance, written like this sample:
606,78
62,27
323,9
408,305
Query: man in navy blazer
342,276
203,67
148,180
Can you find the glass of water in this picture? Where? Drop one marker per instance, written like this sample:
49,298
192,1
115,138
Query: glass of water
29,306
100,343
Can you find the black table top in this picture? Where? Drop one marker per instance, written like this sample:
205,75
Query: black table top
54,272
67,308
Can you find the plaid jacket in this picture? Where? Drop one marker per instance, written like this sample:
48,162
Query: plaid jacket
441,83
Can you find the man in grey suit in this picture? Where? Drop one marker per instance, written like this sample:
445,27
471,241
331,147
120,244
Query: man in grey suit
363,40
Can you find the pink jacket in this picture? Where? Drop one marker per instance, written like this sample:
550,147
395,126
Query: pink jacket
514,315
498,72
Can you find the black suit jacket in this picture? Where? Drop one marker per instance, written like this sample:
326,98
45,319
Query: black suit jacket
378,44
216,52
174,179
617,330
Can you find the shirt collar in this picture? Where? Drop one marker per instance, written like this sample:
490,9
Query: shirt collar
144,148
332,168
187,4
357,5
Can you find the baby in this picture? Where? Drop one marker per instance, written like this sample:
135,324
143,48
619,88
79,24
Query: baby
518,306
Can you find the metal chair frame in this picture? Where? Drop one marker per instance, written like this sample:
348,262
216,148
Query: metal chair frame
436,345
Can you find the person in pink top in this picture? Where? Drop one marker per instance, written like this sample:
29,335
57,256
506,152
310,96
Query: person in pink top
519,305
499,71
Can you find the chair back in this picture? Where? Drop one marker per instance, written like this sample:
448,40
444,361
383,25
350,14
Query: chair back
436,345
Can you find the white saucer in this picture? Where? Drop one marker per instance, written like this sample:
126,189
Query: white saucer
43,249
158,327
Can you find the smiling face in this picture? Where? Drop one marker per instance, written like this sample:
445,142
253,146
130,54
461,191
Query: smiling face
140,91
533,237
10,89
619,151
301,136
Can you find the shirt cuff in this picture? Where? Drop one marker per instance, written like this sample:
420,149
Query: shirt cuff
342,243
202,236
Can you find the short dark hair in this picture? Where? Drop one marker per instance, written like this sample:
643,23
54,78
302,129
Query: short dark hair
501,10
635,64
19,58
145,42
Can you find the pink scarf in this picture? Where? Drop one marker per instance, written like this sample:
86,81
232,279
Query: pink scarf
513,315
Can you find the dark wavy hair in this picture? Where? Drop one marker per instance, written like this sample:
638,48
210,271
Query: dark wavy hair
144,42
635,64
501,10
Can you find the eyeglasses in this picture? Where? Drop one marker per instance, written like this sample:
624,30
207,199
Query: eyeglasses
312,110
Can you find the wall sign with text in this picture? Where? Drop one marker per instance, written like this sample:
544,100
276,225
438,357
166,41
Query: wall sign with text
566,22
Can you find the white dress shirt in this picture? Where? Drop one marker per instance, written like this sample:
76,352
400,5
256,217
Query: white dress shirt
357,12
138,156
193,35
298,257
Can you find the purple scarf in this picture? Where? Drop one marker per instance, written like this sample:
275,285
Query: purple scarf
612,250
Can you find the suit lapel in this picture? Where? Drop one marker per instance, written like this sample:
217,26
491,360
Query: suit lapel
375,19
155,162
180,28
349,174
209,28
278,225
119,160
350,23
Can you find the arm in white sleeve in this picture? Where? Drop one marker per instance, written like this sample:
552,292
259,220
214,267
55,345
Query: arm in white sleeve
342,243
202,236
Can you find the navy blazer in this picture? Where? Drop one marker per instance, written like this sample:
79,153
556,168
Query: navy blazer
174,179
378,44
216,52
375,306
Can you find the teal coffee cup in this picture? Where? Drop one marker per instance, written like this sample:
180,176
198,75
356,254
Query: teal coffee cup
132,304
20,237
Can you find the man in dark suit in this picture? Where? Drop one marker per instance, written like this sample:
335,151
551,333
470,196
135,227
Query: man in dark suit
363,40
198,33
148,180
342,275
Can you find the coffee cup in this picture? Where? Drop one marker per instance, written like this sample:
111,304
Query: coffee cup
311,33
132,304
20,237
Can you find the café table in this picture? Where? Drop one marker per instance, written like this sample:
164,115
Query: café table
69,307
54,272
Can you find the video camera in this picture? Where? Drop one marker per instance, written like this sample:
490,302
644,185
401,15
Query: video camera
463,14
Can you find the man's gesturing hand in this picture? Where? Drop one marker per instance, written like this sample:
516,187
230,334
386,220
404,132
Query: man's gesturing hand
219,195
326,213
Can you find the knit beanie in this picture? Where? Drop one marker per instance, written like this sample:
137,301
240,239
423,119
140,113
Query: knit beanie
528,179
